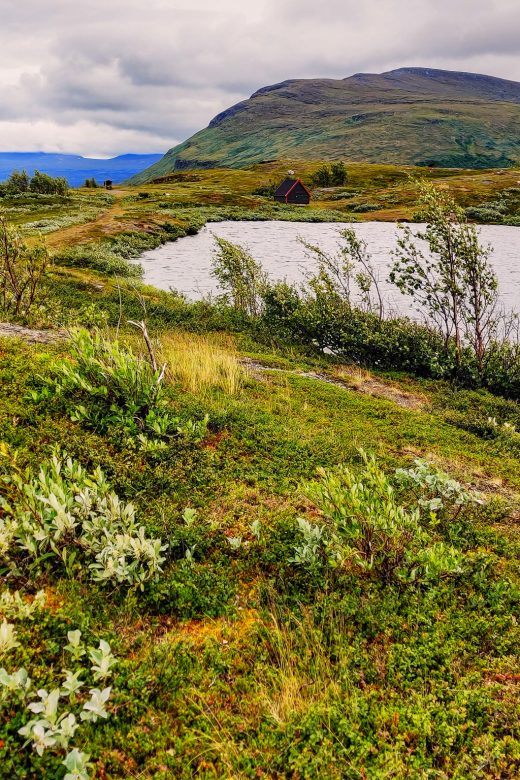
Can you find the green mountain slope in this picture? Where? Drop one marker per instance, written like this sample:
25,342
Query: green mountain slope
405,116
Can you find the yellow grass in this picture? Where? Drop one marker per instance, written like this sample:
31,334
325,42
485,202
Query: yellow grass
352,375
200,363
305,674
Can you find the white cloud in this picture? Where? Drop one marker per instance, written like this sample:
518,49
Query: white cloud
103,77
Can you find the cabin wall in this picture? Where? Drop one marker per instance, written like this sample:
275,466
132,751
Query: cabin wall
298,195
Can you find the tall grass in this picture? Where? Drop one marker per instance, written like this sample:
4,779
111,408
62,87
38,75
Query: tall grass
303,672
200,364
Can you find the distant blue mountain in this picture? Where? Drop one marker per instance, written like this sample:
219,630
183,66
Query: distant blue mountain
74,167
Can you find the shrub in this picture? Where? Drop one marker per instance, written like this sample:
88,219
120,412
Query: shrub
53,717
365,527
362,208
360,337
174,231
454,286
484,214
240,276
48,185
22,271
17,183
435,490
20,182
266,190
69,516
99,257
111,388
334,175
112,256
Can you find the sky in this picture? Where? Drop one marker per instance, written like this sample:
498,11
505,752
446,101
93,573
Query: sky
106,77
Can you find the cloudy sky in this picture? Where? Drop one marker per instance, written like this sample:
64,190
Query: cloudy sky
103,77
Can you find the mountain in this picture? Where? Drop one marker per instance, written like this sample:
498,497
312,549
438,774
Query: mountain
75,168
415,116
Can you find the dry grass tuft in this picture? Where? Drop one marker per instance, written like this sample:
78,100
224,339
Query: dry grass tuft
352,375
200,363
304,673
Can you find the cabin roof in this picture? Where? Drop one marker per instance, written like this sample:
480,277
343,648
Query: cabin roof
287,185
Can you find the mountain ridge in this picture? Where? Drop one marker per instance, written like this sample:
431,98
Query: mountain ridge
410,116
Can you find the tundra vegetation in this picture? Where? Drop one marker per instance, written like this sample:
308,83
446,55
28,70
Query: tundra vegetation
270,535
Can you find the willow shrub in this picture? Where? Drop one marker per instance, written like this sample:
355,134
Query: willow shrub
364,526
332,326
393,344
69,518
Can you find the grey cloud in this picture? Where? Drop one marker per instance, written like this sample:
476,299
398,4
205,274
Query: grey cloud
151,73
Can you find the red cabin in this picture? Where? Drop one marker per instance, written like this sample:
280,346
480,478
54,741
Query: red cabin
293,191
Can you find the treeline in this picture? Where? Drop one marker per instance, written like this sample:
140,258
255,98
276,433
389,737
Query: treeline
19,182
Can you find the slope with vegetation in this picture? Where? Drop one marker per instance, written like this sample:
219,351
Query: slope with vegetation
227,554
410,116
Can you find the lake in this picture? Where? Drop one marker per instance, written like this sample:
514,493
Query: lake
185,265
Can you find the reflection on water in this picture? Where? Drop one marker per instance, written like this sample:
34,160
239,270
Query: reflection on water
185,265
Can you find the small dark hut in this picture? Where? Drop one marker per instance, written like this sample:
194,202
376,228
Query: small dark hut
107,184
293,191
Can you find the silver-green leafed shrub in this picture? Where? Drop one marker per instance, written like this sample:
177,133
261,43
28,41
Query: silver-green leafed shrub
67,515
55,715
435,490
364,526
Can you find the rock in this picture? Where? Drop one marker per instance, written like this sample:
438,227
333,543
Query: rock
9,330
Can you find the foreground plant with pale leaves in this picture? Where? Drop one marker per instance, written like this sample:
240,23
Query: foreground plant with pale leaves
69,515
60,712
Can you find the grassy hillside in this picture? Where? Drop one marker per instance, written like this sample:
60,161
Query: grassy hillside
409,116
237,662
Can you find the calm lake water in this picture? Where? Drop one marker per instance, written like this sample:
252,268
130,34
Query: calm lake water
185,265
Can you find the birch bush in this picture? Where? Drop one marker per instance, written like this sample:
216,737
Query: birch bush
22,271
454,286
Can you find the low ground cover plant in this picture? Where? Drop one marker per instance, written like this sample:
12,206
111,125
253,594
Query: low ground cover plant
53,718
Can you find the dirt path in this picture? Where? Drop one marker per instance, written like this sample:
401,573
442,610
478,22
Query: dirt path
367,386
107,222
